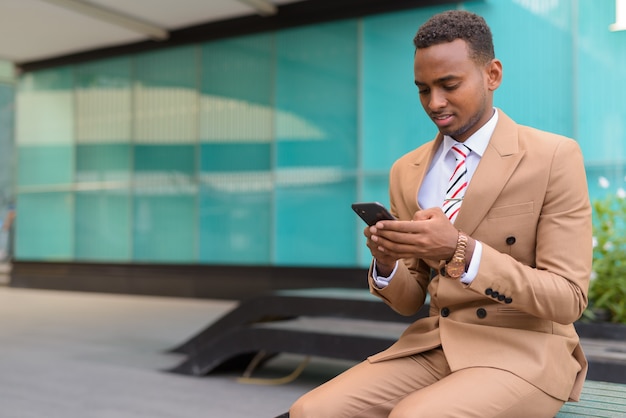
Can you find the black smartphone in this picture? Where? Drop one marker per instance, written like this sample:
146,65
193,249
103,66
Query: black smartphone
372,212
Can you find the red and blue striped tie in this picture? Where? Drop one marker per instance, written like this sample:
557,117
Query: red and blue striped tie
457,184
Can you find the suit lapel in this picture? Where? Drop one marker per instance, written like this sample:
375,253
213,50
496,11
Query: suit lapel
494,170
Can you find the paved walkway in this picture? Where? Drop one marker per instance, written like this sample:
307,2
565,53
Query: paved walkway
71,354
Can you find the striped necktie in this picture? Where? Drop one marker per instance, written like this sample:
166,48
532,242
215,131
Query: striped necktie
457,184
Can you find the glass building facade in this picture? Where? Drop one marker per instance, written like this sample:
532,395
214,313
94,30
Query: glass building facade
7,162
250,150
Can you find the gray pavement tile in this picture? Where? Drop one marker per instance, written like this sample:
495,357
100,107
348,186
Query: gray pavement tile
72,354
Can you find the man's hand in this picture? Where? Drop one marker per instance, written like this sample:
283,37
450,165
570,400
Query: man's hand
430,235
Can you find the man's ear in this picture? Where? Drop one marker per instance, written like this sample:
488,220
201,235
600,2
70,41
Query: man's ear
493,72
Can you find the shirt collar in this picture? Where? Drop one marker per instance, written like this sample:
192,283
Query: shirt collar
479,140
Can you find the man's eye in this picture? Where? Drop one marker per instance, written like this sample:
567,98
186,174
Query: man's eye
423,91
451,87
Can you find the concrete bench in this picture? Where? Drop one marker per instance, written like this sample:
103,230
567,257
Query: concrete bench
598,399
343,323
317,322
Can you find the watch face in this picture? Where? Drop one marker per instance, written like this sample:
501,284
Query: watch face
455,268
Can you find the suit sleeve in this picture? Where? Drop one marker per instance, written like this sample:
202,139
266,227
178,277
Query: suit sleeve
406,292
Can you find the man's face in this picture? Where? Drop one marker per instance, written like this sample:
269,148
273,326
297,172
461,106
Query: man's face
455,91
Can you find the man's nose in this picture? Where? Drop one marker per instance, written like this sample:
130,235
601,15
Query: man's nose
437,100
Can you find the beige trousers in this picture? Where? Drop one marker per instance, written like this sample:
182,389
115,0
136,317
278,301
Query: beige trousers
423,386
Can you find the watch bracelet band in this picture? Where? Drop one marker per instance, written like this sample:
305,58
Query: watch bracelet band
456,266
461,246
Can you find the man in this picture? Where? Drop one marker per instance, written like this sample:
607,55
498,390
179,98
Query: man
506,261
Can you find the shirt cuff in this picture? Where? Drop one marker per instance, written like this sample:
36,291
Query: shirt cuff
472,269
379,281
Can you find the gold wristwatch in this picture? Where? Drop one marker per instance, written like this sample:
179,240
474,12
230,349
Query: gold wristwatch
456,267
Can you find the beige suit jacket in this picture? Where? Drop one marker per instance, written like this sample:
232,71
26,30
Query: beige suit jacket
528,205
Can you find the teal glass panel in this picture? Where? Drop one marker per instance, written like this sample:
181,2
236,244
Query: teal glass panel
102,226
109,75
534,42
7,148
236,104
165,96
168,160
45,147
103,120
375,188
236,134
316,95
171,67
103,101
393,121
217,157
44,227
235,218
316,134
103,162
165,219
45,164
164,169
314,220
601,109
239,68
164,227
59,79
164,155
46,97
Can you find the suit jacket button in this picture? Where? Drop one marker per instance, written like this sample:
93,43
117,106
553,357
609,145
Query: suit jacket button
488,291
510,240
495,294
501,298
445,312
481,313
508,300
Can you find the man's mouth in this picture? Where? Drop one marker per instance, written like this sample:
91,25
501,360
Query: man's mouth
441,120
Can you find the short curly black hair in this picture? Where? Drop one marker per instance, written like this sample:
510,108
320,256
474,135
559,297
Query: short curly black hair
458,24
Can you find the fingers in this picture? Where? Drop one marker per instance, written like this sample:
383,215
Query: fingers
395,248
428,235
379,252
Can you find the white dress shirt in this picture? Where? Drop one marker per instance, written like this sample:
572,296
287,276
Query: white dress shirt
433,189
